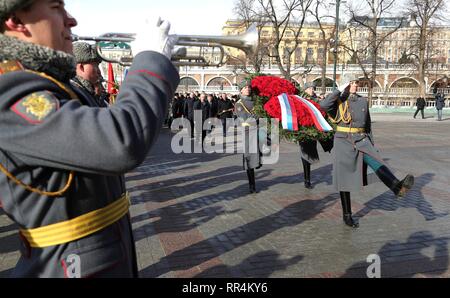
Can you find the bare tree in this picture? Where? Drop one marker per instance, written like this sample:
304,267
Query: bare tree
425,14
366,18
286,18
325,37
249,14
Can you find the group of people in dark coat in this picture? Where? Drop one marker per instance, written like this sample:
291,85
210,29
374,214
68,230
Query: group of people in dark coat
211,106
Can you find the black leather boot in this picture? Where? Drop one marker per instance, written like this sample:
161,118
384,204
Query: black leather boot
347,210
399,188
251,180
307,173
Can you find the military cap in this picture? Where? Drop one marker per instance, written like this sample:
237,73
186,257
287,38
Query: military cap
7,7
85,53
245,83
310,85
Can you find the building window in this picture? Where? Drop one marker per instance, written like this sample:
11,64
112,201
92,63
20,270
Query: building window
298,56
310,55
311,34
321,54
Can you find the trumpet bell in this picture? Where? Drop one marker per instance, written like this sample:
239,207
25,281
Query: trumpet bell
247,42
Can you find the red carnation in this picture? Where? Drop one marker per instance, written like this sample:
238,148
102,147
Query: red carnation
268,86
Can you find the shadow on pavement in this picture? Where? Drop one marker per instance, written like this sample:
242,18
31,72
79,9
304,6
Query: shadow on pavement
414,199
260,265
6,273
184,216
9,244
198,183
213,247
408,259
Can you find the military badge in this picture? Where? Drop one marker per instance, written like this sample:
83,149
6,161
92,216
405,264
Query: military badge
36,107
9,66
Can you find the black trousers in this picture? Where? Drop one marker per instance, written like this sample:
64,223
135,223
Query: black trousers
191,121
224,126
417,112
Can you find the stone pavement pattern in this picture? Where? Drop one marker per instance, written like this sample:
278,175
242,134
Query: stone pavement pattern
193,217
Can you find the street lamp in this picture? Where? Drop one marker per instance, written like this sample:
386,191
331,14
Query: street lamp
336,42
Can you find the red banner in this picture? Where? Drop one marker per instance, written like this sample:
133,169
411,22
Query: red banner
111,80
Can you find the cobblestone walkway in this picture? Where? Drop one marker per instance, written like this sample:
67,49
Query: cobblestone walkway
193,217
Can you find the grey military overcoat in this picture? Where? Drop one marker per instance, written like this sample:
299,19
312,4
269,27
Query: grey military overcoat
252,152
46,134
349,170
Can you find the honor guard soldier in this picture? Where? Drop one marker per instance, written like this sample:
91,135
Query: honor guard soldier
249,123
354,147
308,149
60,179
88,71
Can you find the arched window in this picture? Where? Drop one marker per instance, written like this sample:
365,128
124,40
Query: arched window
328,82
363,82
405,83
187,81
219,82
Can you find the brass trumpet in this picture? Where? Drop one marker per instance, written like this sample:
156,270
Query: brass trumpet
246,42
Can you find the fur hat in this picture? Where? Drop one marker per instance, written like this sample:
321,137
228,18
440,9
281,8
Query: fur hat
85,53
7,7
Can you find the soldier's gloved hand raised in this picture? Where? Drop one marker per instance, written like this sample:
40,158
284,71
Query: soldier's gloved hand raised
344,87
155,37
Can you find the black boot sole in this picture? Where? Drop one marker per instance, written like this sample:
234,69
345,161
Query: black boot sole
352,224
406,186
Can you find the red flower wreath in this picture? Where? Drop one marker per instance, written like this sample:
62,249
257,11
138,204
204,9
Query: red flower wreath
271,87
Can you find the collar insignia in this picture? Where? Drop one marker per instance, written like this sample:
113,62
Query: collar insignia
10,66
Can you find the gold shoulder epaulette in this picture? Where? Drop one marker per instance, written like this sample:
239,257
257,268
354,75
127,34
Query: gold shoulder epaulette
10,66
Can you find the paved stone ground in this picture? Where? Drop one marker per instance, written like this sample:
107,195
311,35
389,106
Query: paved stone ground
193,216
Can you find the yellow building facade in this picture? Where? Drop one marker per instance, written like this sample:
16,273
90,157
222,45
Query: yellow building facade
310,50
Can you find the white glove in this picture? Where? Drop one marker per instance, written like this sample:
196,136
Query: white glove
344,86
155,38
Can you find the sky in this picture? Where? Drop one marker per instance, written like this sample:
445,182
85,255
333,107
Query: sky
195,17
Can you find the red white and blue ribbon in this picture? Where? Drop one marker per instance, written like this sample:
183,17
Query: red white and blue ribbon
289,116
319,121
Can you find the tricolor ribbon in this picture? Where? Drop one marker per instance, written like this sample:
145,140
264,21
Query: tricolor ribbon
289,117
319,121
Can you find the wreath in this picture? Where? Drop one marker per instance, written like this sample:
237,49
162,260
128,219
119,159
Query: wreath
266,90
